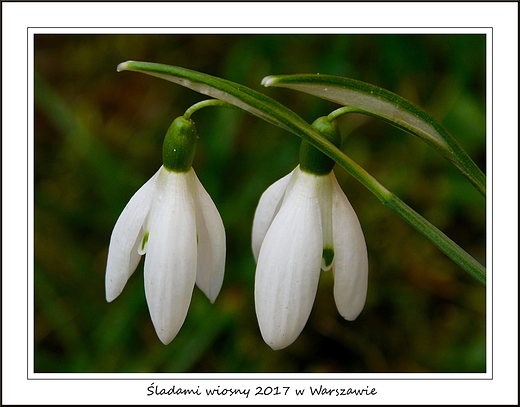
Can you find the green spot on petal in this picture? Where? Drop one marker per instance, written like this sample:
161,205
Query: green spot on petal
143,243
328,257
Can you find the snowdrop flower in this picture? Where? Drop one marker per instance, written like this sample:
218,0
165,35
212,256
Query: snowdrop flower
174,221
304,223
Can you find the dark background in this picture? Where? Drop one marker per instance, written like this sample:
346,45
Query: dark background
98,138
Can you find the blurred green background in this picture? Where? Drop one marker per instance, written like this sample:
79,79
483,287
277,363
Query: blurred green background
98,138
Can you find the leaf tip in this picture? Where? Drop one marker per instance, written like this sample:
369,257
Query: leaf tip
123,66
268,81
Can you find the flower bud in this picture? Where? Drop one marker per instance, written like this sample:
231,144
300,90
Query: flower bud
313,160
179,145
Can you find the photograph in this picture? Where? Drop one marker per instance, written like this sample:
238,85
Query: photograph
227,278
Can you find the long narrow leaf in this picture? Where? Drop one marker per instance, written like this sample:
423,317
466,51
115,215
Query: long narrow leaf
270,110
388,106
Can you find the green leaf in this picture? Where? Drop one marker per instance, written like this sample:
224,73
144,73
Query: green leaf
383,104
273,112
243,97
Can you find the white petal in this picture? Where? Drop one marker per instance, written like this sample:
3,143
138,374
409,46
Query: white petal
288,267
126,237
351,259
266,210
324,191
171,258
211,243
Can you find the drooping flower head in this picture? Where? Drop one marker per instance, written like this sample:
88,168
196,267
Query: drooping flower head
304,223
172,220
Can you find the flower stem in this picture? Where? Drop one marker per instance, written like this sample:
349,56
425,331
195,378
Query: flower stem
207,103
343,110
